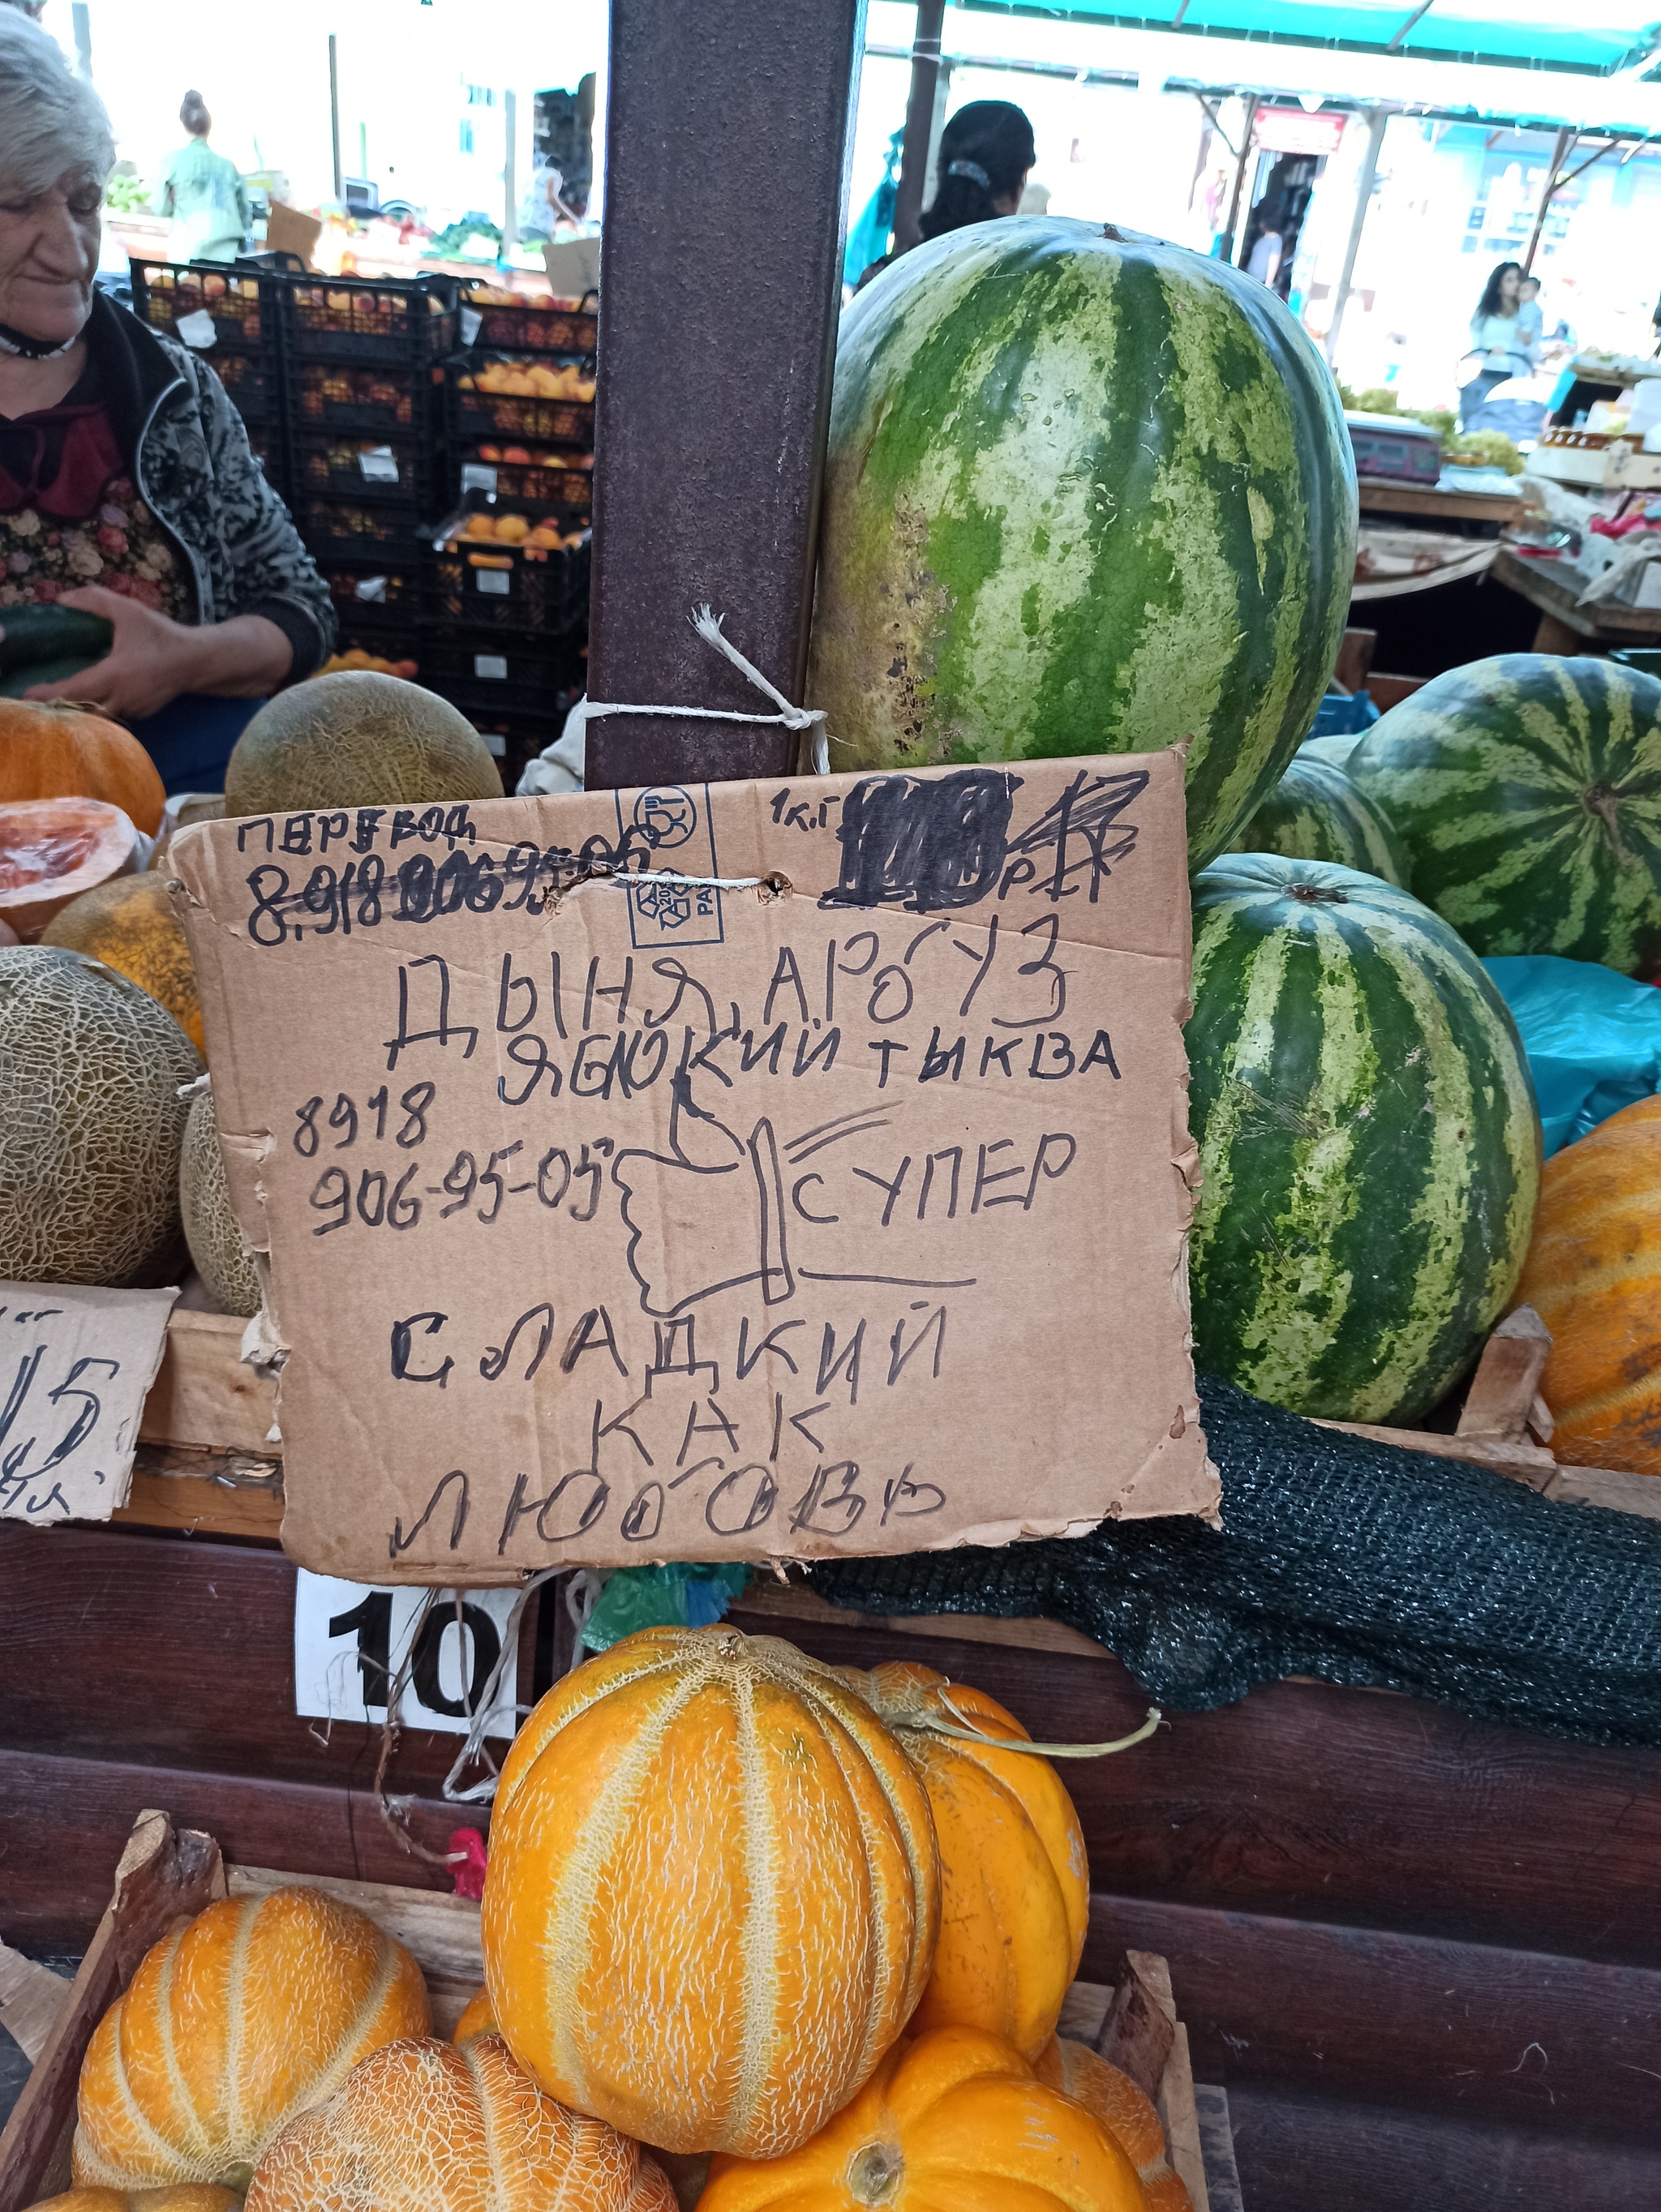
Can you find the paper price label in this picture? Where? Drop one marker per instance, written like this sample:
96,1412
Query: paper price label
196,330
76,1366
490,667
498,581
471,323
477,476
378,464
351,1642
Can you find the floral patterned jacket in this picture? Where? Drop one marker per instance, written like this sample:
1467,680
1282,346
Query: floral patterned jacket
191,464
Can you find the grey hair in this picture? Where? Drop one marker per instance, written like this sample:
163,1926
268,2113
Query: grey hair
51,121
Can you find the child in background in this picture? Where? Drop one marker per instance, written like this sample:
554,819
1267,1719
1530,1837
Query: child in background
1530,321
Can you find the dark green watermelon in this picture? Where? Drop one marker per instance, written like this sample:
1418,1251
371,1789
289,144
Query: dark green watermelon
1527,792
1368,1138
1086,493
1315,813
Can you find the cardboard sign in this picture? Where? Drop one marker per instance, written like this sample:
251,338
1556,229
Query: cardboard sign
736,1172
350,1643
76,1366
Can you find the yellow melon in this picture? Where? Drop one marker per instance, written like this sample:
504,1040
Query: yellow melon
223,1257
90,1073
357,739
130,925
189,2197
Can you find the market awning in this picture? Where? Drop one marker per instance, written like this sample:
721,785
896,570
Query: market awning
1531,34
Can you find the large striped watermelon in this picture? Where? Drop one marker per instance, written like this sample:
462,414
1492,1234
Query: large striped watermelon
1315,813
1527,790
1368,1137
1086,493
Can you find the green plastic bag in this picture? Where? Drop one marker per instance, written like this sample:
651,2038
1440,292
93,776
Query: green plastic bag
675,1596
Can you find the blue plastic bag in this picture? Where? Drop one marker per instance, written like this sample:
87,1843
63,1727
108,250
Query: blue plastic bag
1593,1039
675,1596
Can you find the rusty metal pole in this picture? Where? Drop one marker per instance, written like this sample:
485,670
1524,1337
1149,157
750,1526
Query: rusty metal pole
728,128
919,124
1230,237
1553,178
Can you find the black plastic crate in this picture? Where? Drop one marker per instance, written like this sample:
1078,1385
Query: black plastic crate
252,382
371,595
356,645
490,413
239,303
342,464
393,400
509,584
536,476
378,322
492,677
364,532
516,739
522,325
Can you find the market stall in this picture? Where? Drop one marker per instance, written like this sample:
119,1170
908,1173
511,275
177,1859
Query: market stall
1368,1908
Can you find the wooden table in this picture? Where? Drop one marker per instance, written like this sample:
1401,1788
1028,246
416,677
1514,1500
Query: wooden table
1565,627
1421,1953
1381,495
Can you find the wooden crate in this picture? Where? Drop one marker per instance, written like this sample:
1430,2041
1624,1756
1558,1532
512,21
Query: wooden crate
166,1873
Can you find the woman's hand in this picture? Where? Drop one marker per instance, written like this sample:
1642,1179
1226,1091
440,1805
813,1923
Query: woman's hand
151,659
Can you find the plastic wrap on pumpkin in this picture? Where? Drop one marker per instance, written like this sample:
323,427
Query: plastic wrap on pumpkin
431,2127
254,2010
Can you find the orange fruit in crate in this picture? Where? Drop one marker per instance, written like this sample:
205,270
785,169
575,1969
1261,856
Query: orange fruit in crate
518,455
491,453
1592,1275
435,2127
1128,2116
714,1834
255,2009
130,925
51,750
479,526
193,2197
512,529
1014,1880
955,2119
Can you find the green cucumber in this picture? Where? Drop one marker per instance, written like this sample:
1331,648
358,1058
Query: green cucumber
36,634
20,680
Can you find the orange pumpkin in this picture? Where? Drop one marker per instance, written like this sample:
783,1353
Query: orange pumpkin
714,1835
953,2121
1014,1880
1128,2116
427,2127
193,2197
477,2019
249,2013
130,925
50,749
1593,1275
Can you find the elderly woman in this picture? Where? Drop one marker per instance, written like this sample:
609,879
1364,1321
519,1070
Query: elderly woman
127,487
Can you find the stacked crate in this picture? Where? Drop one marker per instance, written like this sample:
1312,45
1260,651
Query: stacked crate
511,610
231,319
364,388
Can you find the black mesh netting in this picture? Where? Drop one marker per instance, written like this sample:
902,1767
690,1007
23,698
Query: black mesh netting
1355,1561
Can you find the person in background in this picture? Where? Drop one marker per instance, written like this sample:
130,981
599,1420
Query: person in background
987,150
127,487
203,194
1531,316
1268,248
1499,338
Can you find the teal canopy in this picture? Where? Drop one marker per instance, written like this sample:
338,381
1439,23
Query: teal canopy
1607,35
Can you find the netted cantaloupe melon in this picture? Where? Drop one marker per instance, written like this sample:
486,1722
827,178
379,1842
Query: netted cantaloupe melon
130,925
357,739
218,1247
92,1122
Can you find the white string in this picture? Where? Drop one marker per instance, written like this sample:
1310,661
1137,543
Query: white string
497,1715
708,628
